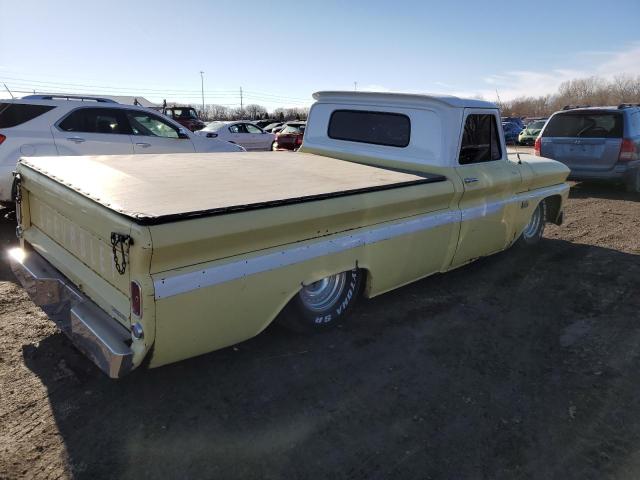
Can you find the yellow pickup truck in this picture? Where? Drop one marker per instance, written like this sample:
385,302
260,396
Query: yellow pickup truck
164,257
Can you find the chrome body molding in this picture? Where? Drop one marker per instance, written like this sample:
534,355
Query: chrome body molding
90,329
168,284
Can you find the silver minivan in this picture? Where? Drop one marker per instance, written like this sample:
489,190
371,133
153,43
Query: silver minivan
596,143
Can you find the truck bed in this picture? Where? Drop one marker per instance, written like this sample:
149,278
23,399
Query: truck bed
154,189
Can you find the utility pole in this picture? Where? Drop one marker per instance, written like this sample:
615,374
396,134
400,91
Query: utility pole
355,86
202,85
241,103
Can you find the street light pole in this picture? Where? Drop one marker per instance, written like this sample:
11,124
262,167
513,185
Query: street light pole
202,85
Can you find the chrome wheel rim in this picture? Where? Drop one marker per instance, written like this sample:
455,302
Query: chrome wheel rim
531,230
324,293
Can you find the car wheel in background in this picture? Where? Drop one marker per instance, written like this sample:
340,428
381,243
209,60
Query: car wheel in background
533,231
273,147
323,304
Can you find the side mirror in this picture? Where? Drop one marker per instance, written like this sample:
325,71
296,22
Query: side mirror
182,133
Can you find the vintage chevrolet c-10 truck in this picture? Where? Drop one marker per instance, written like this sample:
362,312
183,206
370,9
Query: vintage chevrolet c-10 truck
165,257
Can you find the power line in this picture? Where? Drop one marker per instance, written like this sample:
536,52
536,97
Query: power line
84,85
25,83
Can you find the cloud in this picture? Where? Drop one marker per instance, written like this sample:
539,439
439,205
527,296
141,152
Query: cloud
625,62
519,83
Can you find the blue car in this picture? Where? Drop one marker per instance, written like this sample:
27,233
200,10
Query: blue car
511,132
515,120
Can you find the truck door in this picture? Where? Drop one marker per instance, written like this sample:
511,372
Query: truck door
490,181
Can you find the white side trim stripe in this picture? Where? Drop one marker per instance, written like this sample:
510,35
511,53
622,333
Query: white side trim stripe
178,283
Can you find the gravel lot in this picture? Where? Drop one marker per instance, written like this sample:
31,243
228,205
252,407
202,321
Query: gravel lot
521,365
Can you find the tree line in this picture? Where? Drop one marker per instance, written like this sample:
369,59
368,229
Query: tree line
592,91
251,112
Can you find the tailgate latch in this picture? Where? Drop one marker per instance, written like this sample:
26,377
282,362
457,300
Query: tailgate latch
120,246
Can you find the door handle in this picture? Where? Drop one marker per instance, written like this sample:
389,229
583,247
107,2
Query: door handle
143,145
470,180
76,139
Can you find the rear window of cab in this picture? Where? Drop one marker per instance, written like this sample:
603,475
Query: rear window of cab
377,128
14,114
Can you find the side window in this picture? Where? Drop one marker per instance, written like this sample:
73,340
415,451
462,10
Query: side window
480,140
252,128
150,126
14,114
95,120
238,128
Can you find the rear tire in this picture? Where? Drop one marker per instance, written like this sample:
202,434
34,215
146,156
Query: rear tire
633,185
533,231
324,304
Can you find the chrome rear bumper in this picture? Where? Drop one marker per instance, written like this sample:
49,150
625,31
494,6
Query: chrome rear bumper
91,330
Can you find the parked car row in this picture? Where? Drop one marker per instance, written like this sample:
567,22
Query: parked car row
48,125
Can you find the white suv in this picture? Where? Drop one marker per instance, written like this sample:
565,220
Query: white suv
43,125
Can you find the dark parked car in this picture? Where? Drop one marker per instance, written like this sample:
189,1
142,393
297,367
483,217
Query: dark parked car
511,132
263,123
515,120
290,137
272,126
596,143
185,116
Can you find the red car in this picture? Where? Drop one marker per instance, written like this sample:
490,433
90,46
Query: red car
290,137
185,116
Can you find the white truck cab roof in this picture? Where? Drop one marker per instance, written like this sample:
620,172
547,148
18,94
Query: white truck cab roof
426,128
390,98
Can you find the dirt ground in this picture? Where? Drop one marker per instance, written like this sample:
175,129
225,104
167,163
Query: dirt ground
521,365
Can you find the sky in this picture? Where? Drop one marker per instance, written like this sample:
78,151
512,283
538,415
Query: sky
282,52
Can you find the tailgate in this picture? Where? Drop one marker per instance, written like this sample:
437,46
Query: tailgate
583,153
73,233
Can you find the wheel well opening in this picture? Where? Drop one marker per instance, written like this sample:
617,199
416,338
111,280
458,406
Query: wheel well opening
553,205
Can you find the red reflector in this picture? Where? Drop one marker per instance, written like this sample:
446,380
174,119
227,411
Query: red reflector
628,151
2,138
136,299
537,146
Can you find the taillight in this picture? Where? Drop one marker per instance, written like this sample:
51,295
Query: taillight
2,138
136,299
537,146
299,140
628,151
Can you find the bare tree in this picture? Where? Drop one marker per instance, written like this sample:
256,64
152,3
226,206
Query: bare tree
216,112
255,112
594,91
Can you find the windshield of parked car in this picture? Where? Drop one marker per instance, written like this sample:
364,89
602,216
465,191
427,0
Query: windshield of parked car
296,128
185,113
536,125
585,125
